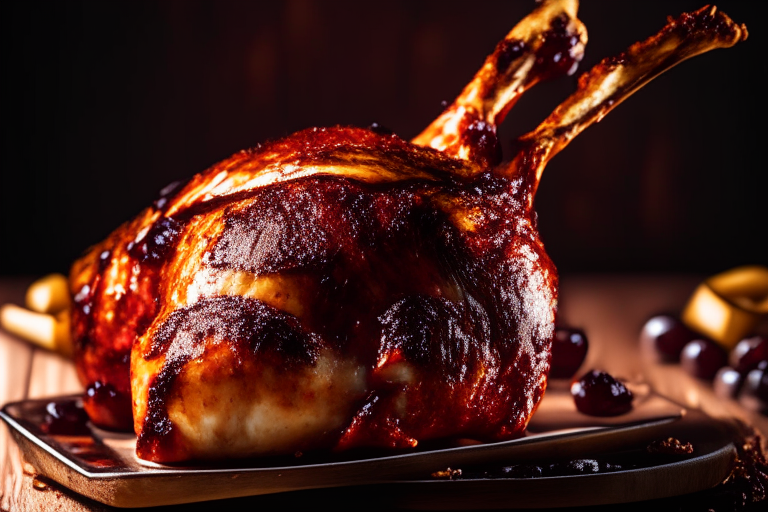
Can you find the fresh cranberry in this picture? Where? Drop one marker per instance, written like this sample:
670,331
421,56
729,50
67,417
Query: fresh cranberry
666,336
107,407
727,382
747,353
599,394
754,392
569,348
65,418
702,358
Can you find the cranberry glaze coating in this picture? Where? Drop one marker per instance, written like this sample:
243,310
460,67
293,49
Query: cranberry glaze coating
343,288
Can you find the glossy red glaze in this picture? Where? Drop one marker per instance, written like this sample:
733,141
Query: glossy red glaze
392,280
107,407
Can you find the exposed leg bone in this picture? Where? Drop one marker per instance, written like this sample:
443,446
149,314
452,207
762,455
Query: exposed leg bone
548,42
616,78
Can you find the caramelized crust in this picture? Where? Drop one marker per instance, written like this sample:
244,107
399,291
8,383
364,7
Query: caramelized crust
376,278
114,301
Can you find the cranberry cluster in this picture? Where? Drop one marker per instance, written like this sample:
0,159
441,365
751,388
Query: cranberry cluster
740,374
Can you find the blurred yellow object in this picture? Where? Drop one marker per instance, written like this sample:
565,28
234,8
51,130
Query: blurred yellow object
728,306
49,294
47,331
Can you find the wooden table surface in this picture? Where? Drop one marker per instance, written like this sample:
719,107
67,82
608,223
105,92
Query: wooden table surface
611,309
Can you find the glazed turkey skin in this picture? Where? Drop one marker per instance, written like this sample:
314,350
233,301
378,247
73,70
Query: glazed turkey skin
327,311
344,288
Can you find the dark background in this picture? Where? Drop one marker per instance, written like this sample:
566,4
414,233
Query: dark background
106,102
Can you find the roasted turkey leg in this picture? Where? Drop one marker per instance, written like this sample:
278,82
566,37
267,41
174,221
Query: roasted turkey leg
116,284
342,288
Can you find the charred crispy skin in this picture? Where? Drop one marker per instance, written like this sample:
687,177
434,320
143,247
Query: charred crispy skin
342,288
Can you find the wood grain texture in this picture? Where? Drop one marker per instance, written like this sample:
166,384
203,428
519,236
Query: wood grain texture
15,366
25,372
